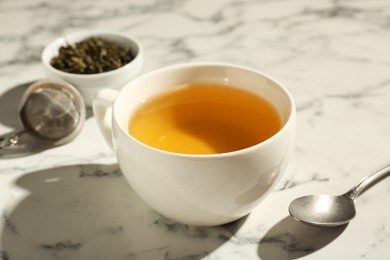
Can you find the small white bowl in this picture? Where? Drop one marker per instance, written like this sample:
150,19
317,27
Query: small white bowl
89,84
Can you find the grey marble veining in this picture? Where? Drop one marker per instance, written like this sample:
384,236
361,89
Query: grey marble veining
72,202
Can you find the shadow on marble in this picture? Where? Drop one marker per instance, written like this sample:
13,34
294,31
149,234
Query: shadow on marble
290,239
9,117
9,106
90,212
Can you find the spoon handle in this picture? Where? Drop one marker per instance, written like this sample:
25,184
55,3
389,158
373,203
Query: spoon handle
366,182
11,139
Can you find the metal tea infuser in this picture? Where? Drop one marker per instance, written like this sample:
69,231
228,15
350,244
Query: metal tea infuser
51,111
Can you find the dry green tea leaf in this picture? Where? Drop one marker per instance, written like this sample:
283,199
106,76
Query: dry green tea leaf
91,56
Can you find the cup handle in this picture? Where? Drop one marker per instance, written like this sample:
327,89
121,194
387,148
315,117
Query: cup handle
102,109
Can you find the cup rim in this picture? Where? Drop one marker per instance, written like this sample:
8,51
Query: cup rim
289,121
46,56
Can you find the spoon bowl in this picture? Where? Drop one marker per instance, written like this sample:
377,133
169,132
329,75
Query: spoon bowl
323,210
332,211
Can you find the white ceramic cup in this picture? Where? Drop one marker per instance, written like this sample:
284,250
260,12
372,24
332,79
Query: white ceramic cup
202,190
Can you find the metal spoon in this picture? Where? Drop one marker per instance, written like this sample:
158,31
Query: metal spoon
331,211
51,111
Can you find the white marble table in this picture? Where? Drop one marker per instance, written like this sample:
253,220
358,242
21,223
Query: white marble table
71,202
